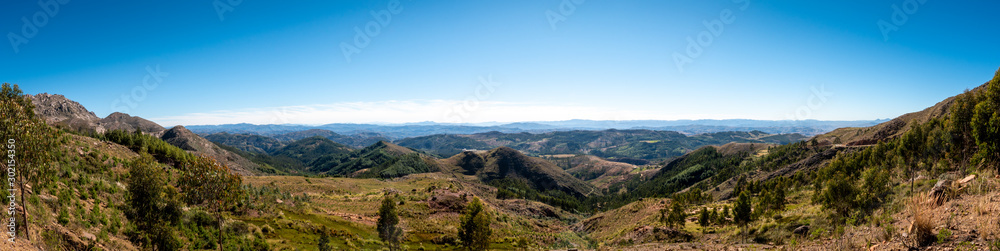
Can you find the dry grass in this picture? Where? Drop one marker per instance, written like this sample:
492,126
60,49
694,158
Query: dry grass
985,207
922,228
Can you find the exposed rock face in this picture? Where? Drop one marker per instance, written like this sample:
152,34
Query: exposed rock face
187,140
57,110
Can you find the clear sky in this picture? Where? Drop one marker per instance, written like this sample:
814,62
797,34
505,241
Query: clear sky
475,61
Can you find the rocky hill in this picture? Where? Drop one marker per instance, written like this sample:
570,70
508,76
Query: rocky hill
59,111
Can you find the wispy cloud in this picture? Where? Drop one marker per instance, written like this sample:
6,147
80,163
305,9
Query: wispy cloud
395,111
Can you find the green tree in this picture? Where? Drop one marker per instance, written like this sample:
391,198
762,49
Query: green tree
665,216
779,199
677,214
475,230
911,148
724,217
205,181
715,217
704,218
986,131
150,207
387,221
27,137
839,195
961,126
742,210
324,240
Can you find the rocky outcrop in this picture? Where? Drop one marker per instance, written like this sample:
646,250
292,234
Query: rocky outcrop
57,110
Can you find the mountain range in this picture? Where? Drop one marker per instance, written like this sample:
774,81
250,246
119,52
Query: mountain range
689,127
927,178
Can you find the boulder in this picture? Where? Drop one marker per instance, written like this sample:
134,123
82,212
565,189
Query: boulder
801,230
939,194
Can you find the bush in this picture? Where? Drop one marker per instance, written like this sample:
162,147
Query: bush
63,217
943,235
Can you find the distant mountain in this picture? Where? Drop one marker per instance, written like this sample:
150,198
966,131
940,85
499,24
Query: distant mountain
400,131
612,143
358,140
444,145
246,142
721,125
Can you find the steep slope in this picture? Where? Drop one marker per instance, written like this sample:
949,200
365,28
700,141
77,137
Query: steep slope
506,165
187,140
891,129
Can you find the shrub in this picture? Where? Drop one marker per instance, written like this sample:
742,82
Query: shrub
943,235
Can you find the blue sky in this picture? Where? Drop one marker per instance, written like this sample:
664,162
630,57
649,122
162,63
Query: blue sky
267,62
